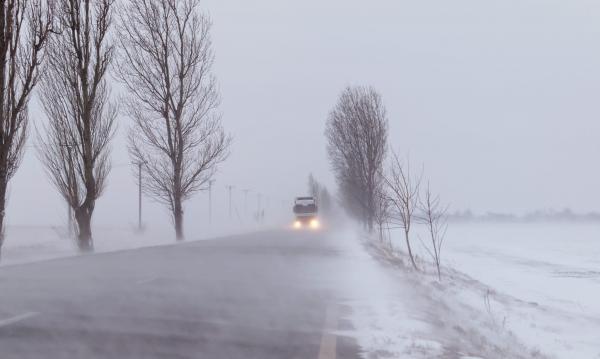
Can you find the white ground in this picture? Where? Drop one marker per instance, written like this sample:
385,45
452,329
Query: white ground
509,291
550,275
32,243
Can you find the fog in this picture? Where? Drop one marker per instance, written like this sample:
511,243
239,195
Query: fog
497,100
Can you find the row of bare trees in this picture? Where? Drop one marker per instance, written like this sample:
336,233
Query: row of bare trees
163,54
321,193
357,134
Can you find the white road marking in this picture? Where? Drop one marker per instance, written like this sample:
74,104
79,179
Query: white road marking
328,348
146,281
18,318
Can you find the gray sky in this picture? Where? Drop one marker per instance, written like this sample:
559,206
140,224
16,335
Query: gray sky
498,100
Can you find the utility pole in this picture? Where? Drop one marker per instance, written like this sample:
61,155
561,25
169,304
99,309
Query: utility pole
139,167
258,210
230,187
210,183
245,201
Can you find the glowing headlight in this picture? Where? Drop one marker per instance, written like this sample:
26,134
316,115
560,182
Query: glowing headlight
314,223
297,224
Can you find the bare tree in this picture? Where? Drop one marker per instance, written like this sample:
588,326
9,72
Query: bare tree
403,190
314,187
25,26
321,193
382,212
433,215
165,63
326,203
357,132
81,119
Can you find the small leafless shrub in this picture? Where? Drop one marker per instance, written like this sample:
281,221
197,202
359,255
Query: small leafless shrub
403,195
382,215
487,301
433,216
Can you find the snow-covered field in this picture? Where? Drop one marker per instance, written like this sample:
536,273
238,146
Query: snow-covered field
509,291
547,277
33,243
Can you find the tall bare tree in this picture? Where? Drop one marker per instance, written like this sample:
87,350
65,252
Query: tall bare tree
357,132
403,195
81,118
165,63
25,26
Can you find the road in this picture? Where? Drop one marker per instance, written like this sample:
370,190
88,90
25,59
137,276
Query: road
262,295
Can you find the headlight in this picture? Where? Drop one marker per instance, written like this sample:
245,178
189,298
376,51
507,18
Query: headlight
297,224
314,224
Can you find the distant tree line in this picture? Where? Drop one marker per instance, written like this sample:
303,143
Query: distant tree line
564,215
160,50
376,188
321,194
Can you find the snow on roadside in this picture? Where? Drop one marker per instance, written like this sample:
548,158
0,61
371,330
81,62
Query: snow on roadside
26,244
399,313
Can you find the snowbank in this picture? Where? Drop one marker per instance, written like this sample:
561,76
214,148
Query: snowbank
399,313
508,291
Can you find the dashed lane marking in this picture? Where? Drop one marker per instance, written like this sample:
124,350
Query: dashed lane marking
17,318
329,339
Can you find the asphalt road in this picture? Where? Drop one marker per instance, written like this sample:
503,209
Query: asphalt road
264,295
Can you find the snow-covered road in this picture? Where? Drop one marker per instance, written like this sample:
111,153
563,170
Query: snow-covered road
499,297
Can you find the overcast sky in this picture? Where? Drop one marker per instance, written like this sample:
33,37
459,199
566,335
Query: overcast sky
498,100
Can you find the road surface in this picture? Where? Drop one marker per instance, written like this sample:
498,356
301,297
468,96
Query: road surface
263,295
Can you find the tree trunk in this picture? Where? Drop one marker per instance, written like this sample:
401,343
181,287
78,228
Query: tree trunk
178,219
2,206
83,216
3,185
410,254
